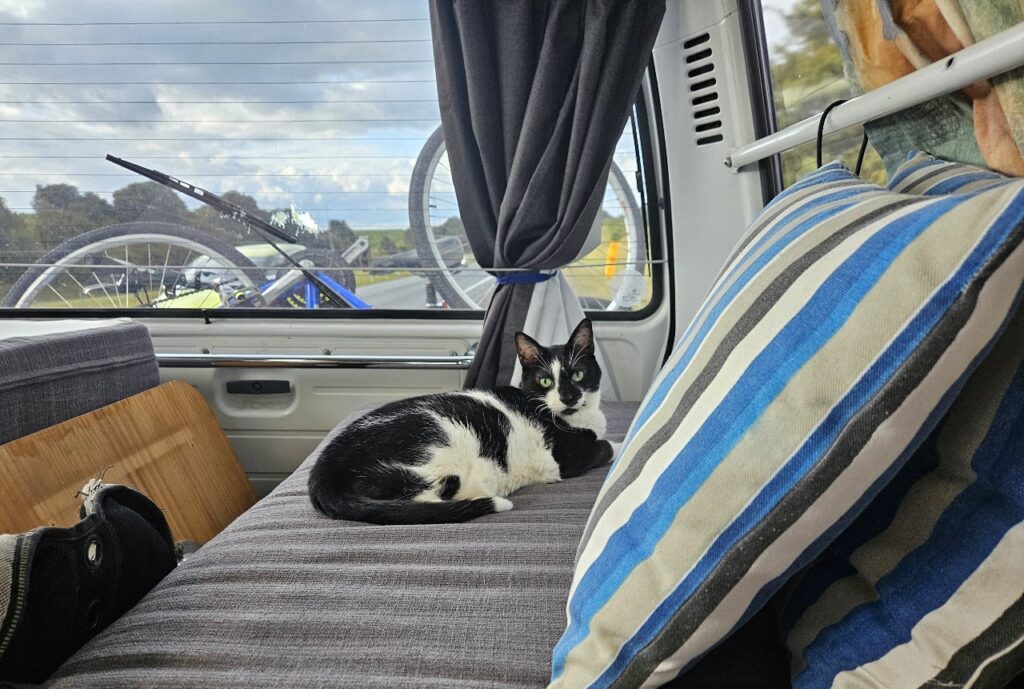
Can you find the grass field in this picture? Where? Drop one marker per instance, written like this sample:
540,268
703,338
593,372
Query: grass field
589,275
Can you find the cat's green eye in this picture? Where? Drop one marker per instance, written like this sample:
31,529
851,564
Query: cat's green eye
577,376
545,382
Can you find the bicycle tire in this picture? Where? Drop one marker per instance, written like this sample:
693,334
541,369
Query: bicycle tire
325,258
419,211
26,282
442,277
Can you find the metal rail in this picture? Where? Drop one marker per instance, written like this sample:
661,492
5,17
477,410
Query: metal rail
189,360
988,58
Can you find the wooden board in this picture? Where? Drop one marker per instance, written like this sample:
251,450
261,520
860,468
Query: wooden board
164,442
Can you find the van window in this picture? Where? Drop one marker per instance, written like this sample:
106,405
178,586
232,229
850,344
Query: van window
807,75
326,126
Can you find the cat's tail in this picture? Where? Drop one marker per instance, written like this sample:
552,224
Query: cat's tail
362,509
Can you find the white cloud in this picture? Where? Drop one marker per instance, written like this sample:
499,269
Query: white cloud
21,9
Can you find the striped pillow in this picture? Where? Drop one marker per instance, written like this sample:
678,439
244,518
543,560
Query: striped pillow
838,333
926,588
930,176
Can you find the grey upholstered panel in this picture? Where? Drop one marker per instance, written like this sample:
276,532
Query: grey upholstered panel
49,378
287,598
52,377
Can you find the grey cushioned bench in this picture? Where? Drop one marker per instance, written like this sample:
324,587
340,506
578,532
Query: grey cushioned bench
287,598
51,371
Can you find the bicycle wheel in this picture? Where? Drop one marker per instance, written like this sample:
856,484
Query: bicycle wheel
131,265
332,264
433,218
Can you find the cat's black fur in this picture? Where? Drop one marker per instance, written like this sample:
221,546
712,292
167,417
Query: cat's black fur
372,470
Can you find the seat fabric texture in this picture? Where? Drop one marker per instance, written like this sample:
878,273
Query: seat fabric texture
285,597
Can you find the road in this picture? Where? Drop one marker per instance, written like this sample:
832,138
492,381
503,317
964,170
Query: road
410,292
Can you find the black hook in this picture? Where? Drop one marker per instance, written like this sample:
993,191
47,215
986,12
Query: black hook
821,125
821,137
860,155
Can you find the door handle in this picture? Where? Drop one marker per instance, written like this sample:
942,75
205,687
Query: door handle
259,387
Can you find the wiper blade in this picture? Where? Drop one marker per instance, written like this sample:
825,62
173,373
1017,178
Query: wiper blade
233,210
236,212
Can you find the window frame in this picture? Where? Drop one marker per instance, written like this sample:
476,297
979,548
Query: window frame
762,91
653,207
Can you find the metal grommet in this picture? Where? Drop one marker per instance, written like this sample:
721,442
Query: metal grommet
92,615
93,552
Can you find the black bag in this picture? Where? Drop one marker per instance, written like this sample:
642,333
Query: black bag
59,587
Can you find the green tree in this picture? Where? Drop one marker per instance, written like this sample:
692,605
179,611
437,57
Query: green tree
9,221
807,75
387,246
14,247
62,213
216,223
94,209
452,227
149,201
805,63
55,197
339,235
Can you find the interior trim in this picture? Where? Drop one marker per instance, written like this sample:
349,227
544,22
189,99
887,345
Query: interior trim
189,360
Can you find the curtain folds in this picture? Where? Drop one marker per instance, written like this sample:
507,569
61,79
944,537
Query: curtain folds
534,95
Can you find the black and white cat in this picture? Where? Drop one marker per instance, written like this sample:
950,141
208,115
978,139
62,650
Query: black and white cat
453,456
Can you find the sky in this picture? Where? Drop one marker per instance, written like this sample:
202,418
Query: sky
319,104
774,26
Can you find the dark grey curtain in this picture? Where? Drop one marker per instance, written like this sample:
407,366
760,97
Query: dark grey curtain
534,95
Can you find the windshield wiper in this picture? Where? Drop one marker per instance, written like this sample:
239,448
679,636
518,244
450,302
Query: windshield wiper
239,214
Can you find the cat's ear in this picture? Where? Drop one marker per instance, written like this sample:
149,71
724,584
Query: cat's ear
528,349
582,338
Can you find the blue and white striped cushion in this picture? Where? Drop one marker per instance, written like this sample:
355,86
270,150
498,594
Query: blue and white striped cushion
926,587
839,331
927,175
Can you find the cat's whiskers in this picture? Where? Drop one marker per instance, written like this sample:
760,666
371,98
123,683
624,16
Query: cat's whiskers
541,406
555,421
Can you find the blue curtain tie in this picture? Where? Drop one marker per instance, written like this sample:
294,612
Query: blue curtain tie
524,277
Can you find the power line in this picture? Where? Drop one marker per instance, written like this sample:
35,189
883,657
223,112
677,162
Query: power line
225,62
213,83
433,193
248,193
307,210
259,43
218,139
228,158
243,157
378,209
208,102
242,121
204,174
222,22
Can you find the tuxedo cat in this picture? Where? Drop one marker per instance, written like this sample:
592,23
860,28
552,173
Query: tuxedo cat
453,456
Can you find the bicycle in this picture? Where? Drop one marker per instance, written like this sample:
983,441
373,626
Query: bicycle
426,214
114,266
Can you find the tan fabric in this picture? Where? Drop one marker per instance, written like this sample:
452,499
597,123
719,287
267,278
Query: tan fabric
888,39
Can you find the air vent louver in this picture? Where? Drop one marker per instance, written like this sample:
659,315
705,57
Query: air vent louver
699,59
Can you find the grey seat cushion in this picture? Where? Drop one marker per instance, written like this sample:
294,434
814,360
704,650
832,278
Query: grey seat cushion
59,370
287,598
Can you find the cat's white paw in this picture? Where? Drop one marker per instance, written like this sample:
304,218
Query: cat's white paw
502,505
